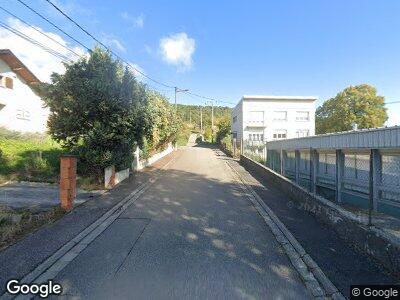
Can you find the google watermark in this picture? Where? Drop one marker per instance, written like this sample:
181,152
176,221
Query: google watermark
43,290
375,292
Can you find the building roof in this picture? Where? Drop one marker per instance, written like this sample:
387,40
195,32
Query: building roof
270,97
18,67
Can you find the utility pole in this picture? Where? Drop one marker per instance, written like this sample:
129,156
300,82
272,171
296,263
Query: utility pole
178,90
201,119
212,119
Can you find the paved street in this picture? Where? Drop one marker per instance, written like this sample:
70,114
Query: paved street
192,235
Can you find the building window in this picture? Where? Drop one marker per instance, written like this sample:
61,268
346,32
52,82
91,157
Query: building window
279,134
234,119
302,132
256,118
280,115
6,82
23,114
256,137
302,116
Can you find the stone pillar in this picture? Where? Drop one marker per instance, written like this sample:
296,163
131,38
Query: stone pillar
136,159
67,181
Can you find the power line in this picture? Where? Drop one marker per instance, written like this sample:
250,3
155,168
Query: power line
140,72
35,42
394,102
208,98
39,31
107,48
98,41
54,25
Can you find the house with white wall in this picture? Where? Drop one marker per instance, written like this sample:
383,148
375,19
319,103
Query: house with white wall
21,109
266,118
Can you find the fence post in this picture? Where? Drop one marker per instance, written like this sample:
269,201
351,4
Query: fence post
314,160
297,166
282,162
375,173
339,174
67,181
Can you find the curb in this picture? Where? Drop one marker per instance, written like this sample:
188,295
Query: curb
313,277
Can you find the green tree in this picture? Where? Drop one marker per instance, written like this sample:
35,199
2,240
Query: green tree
355,104
224,128
164,124
98,111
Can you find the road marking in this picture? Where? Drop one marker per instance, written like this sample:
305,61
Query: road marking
60,259
313,277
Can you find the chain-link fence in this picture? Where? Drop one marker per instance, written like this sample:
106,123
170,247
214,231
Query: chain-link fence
345,179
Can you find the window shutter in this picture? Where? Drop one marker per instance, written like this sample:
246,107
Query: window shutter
9,83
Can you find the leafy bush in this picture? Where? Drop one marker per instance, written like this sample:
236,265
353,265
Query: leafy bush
98,111
208,134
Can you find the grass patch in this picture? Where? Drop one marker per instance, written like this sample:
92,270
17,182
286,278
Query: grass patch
30,157
14,225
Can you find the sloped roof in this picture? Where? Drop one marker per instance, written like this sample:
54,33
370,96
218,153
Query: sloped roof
18,67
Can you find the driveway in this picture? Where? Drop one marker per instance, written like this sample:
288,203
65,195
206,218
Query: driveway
36,196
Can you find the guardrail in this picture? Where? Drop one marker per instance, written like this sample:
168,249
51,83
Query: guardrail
361,168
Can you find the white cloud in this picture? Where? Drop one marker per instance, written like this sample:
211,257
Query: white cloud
136,22
177,50
112,41
40,62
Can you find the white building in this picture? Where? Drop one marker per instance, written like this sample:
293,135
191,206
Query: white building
21,109
266,118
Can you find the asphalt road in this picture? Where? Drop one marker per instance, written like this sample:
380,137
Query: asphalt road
192,235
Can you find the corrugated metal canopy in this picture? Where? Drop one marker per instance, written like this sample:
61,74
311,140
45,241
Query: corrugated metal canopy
377,138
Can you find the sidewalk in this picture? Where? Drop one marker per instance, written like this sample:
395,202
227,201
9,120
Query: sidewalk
21,258
340,263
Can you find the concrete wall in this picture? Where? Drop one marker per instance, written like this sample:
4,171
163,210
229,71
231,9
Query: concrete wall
139,164
369,240
20,108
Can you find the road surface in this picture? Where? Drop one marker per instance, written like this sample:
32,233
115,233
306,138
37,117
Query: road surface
192,235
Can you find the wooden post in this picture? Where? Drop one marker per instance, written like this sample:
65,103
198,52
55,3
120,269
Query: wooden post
67,181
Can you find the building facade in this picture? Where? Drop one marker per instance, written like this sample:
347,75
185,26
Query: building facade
21,109
268,118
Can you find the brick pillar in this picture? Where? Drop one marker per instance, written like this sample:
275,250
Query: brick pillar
67,181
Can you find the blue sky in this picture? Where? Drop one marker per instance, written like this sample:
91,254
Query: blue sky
225,49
